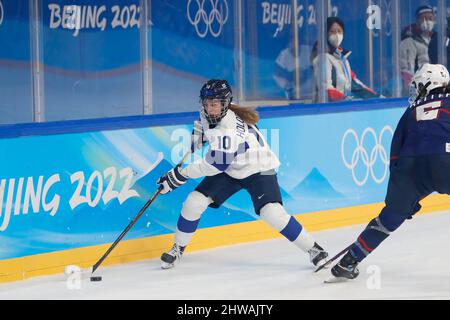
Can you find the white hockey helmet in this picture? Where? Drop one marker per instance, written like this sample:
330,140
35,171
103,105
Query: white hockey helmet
427,78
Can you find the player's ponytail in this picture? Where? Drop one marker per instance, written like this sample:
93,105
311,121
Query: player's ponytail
248,114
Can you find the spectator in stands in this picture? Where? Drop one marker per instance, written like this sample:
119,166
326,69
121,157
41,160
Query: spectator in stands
341,81
415,44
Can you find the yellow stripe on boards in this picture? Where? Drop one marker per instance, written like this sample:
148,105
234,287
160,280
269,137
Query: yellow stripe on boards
152,247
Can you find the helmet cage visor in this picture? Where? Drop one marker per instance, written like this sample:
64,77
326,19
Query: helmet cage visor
214,109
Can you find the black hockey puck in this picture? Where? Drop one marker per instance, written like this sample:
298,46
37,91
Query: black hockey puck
97,278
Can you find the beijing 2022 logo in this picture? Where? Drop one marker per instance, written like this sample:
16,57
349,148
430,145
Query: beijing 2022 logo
1,13
366,155
207,16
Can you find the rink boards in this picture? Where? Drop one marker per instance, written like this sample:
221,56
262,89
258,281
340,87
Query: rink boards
69,189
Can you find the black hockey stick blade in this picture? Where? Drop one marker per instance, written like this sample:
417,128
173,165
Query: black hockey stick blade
327,263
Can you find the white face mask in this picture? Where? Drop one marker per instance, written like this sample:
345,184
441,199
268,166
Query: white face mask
335,39
427,25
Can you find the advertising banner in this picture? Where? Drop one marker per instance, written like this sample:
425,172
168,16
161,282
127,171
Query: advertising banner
73,190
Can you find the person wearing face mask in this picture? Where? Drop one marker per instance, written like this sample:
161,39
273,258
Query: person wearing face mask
342,83
416,44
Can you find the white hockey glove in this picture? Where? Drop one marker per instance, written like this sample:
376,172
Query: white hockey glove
198,138
171,180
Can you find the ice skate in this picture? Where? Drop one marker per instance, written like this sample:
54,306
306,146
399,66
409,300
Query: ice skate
317,255
345,269
170,258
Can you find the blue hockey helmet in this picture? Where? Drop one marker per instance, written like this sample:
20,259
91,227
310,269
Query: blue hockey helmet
215,89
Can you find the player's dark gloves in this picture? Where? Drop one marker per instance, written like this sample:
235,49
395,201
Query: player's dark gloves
171,180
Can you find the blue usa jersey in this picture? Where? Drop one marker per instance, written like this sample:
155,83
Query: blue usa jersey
424,128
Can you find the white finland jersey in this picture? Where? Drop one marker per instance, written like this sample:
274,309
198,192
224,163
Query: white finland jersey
236,148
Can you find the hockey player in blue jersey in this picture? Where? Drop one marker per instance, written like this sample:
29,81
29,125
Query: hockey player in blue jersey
238,158
420,164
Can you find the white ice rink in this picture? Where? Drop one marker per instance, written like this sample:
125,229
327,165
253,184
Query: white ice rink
413,263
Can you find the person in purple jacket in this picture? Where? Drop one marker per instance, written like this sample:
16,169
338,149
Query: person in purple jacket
420,164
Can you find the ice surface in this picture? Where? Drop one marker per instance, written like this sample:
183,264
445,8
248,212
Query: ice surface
413,264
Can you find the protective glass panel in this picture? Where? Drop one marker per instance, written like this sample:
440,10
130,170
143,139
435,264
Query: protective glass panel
419,37
15,66
381,72
91,59
278,39
192,41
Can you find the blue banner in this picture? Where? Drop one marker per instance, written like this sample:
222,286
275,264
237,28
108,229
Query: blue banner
73,190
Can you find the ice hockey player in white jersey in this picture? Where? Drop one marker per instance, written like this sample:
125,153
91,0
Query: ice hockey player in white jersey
238,158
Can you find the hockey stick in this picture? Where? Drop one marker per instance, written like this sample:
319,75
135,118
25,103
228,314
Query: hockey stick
84,271
333,259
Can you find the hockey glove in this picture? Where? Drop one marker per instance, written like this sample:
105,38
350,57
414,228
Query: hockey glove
171,180
198,139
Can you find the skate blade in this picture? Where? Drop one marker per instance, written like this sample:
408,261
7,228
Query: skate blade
334,279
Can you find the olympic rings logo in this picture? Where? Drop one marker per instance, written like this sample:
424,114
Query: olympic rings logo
213,22
1,13
361,153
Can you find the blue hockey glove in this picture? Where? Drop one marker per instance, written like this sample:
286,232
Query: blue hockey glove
171,180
